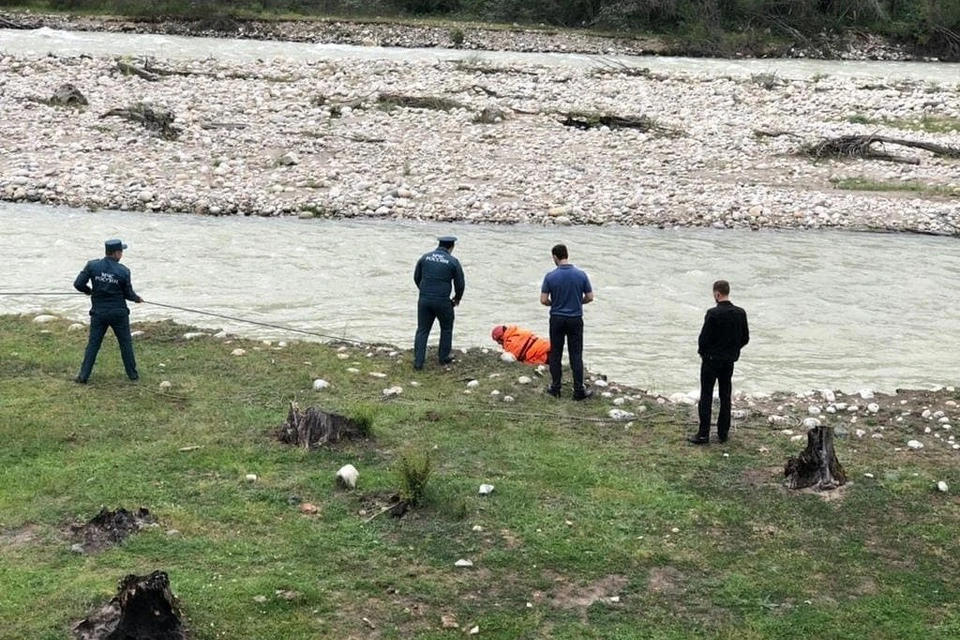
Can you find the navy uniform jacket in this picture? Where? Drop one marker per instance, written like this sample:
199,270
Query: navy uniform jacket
435,272
724,333
110,282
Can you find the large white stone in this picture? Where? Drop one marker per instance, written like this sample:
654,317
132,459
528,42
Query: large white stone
320,384
347,476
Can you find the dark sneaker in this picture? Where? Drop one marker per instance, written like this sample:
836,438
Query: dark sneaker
583,395
698,440
80,380
448,361
555,392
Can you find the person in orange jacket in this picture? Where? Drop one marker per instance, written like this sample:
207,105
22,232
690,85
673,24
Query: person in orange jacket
524,345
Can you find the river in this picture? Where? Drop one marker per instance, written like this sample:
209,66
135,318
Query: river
827,309
72,43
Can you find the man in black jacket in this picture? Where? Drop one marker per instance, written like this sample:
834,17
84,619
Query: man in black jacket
724,333
437,274
109,292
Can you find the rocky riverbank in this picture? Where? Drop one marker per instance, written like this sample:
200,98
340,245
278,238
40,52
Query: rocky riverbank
489,144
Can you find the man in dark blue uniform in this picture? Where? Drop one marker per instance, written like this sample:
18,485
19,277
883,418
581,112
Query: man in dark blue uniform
437,272
565,290
109,292
724,333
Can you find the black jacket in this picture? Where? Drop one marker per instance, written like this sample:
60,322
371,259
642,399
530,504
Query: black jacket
724,333
438,272
111,284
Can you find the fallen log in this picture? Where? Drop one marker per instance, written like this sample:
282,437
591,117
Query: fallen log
435,103
586,120
154,118
144,608
130,70
817,465
855,146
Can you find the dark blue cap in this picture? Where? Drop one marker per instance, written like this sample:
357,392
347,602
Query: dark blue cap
447,239
114,245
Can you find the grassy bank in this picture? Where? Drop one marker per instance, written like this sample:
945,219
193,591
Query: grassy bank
595,529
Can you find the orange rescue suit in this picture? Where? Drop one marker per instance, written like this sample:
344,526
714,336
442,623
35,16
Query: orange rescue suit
525,346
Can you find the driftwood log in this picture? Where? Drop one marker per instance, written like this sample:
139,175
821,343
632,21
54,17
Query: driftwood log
143,609
130,70
582,120
817,465
864,147
154,118
316,427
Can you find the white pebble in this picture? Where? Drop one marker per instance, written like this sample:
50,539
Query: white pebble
508,398
238,352
599,383
393,391
473,384
866,394
164,385
348,475
524,380
814,410
915,444
811,423
942,487
618,401
463,563
320,384
486,489
508,357
250,477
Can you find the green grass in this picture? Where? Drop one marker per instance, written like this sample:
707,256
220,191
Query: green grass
867,184
694,544
927,123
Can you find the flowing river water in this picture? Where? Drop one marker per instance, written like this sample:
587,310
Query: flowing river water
827,309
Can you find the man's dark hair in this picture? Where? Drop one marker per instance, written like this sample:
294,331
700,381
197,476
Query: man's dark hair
560,251
446,245
722,287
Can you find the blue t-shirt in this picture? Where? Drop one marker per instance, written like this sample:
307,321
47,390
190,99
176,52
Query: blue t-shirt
566,285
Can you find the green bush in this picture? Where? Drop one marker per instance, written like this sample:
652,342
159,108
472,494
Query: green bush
413,472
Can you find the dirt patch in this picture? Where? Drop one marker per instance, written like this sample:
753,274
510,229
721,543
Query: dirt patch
108,528
144,608
373,505
666,581
765,476
569,596
19,537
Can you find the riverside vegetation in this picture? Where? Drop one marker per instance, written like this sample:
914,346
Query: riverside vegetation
692,27
595,529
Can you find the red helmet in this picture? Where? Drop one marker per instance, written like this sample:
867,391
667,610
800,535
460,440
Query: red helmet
497,333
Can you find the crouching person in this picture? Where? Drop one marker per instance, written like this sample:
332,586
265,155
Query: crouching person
525,346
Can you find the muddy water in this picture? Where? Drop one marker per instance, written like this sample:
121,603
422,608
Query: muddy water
838,310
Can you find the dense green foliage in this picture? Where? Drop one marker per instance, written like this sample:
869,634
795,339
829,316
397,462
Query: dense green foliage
933,25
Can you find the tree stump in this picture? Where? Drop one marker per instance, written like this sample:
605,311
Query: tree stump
316,427
143,609
67,95
817,465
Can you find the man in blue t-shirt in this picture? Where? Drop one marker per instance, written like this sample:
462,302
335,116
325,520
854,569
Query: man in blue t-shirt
107,282
565,290
437,274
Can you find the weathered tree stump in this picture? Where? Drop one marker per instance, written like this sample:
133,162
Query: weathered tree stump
67,95
817,465
143,609
855,146
316,427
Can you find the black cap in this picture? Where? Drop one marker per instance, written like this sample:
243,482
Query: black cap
447,239
114,245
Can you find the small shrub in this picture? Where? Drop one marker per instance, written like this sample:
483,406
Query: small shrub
457,38
413,471
768,80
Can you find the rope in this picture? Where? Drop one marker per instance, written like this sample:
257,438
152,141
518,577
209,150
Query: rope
199,312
